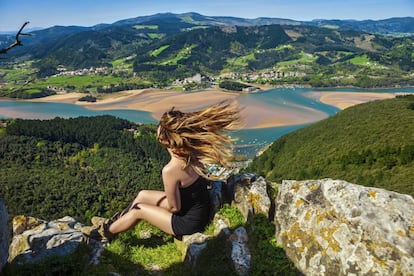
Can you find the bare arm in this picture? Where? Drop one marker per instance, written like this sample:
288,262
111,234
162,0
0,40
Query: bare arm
171,188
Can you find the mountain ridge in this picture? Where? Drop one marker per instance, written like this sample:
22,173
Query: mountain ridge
160,49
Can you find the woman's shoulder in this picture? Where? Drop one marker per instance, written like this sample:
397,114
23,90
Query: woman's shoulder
173,167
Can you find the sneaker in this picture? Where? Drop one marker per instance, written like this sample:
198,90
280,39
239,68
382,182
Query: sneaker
106,234
100,229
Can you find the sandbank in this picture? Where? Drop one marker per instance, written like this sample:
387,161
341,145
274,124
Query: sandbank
255,114
344,100
157,101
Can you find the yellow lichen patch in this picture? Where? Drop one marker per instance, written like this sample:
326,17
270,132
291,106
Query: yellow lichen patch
320,216
314,187
19,219
308,215
255,201
327,234
379,261
372,193
401,233
411,228
354,240
299,202
307,239
295,186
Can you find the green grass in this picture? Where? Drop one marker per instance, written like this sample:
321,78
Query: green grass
17,74
123,62
158,51
143,27
141,250
365,61
188,19
154,35
182,54
241,61
284,46
304,58
361,60
197,28
79,82
333,27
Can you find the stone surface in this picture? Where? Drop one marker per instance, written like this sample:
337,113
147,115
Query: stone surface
250,195
4,237
240,186
35,239
191,247
216,196
239,251
259,202
332,227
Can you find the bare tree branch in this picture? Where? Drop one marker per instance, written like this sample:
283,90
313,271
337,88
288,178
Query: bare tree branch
17,41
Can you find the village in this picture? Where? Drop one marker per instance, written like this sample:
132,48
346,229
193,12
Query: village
195,81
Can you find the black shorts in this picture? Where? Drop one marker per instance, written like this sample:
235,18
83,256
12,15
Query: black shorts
195,209
183,225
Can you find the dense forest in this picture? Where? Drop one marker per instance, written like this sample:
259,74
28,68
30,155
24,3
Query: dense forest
80,167
370,144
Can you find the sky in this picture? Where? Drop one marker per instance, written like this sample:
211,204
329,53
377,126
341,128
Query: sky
47,13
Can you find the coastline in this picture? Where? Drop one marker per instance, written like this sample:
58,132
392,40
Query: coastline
257,115
344,100
157,101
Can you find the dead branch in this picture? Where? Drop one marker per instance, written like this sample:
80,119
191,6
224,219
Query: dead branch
17,41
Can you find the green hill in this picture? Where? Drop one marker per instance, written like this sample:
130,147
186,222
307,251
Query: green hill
81,167
370,144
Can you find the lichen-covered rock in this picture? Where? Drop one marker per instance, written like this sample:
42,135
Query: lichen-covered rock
4,237
239,251
240,186
332,227
259,202
191,247
23,223
35,239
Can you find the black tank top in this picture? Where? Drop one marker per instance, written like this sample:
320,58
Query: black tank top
194,196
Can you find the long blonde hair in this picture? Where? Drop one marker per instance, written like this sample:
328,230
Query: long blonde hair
201,137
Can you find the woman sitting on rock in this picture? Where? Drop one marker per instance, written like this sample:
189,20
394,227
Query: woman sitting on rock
193,140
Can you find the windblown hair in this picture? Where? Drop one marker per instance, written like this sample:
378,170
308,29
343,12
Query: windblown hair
201,137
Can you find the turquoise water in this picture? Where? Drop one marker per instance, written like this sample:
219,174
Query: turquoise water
47,110
250,140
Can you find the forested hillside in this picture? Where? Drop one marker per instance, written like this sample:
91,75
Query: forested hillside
370,144
79,167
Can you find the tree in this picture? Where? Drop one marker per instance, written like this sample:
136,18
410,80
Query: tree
17,41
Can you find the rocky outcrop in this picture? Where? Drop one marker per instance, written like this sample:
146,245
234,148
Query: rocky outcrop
331,227
239,251
327,227
4,239
35,239
249,194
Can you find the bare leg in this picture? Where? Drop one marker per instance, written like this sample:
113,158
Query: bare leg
149,205
151,197
157,216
